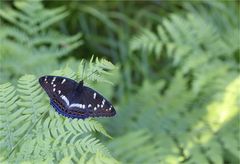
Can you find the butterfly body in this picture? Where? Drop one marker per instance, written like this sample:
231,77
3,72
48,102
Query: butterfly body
74,100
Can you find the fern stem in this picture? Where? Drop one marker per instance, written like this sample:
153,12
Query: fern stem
19,141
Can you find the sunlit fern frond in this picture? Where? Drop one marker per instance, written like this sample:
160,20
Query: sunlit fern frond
86,158
95,70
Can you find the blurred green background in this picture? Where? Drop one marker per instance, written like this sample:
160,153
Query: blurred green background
174,79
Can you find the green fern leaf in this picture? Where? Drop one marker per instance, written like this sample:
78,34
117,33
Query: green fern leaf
8,106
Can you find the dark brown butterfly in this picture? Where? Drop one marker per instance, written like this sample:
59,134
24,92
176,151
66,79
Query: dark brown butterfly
74,100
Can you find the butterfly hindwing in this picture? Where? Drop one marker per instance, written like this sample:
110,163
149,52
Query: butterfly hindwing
74,100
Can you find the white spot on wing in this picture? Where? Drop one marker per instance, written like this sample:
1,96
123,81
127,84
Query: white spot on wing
98,105
76,105
83,106
59,91
103,102
54,89
94,95
95,108
65,99
63,81
54,78
89,105
54,85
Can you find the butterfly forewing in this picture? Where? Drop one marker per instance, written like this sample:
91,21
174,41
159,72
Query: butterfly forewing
74,100
58,89
97,104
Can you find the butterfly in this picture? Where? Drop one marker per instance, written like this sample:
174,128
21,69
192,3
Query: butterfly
74,100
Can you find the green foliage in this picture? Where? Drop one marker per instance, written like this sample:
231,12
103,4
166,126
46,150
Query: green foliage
195,34
176,130
97,158
27,40
183,107
53,137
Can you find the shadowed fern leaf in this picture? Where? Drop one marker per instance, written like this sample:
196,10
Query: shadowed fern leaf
25,34
183,38
177,130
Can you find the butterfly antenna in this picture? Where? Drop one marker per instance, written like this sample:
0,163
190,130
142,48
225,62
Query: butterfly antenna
84,64
90,75
19,141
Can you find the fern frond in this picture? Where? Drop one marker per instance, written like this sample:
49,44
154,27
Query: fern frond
181,37
148,42
95,70
33,15
98,158
73,145
89,125
31,96
223,118
87,158
9,111
192,131
30,39
67,72
146,148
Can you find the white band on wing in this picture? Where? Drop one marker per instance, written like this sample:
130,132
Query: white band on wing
76,105
65,99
